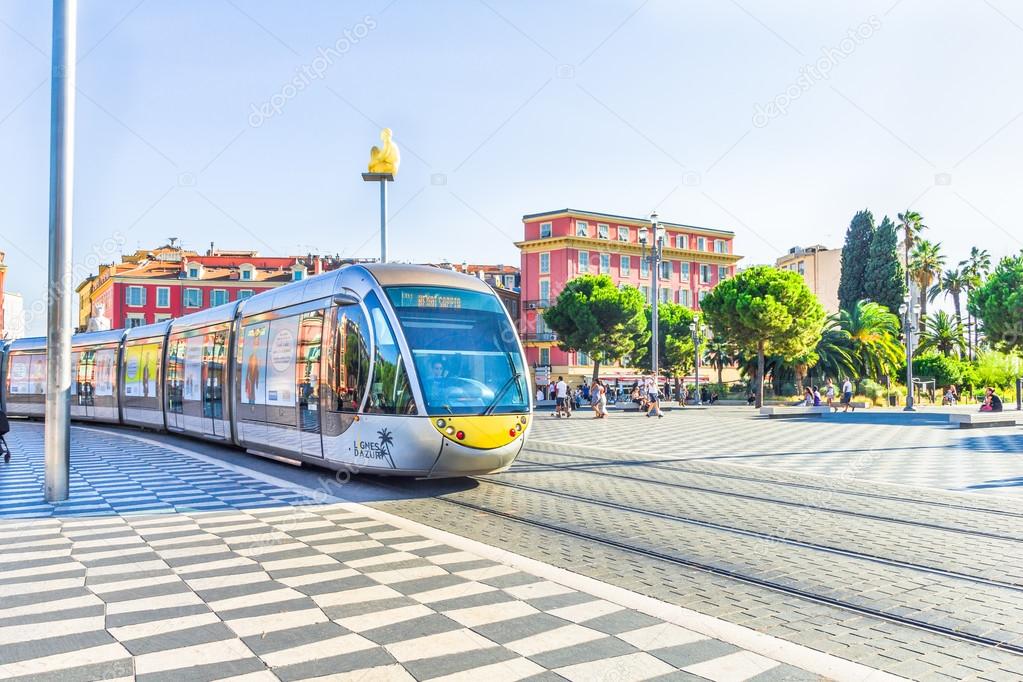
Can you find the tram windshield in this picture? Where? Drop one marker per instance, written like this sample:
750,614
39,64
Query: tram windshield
464,349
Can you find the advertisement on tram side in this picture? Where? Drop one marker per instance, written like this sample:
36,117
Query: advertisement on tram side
104,371
141,370
280,381
192,389
254,364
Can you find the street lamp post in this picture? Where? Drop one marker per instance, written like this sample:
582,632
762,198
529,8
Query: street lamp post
654,259
57,429
696,357
909,327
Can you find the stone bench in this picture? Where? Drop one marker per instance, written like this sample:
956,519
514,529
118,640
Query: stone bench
984,420
780,412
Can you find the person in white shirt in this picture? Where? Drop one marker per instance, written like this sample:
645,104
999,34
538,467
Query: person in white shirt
539,394
561,393
847,395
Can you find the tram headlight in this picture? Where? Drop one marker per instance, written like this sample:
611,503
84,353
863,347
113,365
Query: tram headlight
518,427
512,432
450,430
523,420
441,423
460,435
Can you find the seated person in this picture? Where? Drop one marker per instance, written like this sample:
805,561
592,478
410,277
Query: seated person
992,403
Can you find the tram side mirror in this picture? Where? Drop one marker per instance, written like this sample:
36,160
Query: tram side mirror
345,299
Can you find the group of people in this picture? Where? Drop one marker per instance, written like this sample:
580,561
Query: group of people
812,396
990,403
566,399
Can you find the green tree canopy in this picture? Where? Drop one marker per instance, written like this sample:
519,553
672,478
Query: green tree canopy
764,311
675,338
926,263
998,303
943,334
885,279
873,334
594,316
855,256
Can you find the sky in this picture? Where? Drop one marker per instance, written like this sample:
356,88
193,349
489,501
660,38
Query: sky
247,123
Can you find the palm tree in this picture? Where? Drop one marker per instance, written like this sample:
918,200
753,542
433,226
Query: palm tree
953,282
719,355
912,225
925,265
873,339
833,352
942,333
975,269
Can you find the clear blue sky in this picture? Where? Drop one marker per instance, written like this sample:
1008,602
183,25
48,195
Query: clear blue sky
503,108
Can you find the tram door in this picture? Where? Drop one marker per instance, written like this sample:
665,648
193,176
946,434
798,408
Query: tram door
307,380
85,383
213,376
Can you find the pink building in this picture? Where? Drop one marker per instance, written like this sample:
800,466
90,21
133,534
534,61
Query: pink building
560,245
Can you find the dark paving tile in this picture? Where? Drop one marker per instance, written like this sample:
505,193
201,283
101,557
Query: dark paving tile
54,616
432,624
297,604
339,585
694,652
214,632
453,663
786,673
163,589
23,651
518,628
511,580
621,621
135,617
606,647
292,637
426,584
359,660
494,597
205,673
362,608
558,601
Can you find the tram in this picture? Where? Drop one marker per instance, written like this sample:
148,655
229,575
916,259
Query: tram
379,368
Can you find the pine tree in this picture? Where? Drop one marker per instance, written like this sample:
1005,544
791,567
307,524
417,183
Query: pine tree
855,256
885,280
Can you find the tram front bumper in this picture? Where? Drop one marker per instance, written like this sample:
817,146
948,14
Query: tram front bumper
478,444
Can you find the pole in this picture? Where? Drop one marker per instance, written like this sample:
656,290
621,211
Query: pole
57,430
654,316
696,358
909,337
383,221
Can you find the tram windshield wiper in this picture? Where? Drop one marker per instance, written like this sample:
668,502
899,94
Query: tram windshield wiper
500,394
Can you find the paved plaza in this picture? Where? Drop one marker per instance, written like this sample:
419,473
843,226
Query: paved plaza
711,544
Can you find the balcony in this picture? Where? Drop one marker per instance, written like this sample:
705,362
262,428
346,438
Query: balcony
540,336
537,304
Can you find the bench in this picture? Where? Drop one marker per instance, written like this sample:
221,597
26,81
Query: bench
780,412
983,420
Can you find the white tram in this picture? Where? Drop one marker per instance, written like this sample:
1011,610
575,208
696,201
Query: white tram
386,369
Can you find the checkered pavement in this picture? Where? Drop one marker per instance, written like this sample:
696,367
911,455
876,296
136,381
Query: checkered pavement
226,577
872,445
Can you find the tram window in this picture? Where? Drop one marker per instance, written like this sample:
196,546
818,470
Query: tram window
350,368
18,373
213,374
176,375
390,392
307,370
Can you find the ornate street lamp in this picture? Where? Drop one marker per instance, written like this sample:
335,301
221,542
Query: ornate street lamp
656,247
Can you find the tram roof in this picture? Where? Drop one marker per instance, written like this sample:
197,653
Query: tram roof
206,318
97,338
28,343
148,331
395,274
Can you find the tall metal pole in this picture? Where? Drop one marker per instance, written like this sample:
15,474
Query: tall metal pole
655,259
909,335
383,221
696,359
57,433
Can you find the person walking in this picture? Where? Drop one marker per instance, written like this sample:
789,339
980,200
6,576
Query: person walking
829,394
561,407
847,395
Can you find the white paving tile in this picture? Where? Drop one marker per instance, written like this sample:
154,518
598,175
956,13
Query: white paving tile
380,559
629,668
382,673
299,562
70,659
321,577
487,572
379,619
660,636
255,599
258,625
157,627
558,638
215,582
40,586
736,667
12,634
537,590
403,574
151,603
335,646
475,616
133,584
452,592
189,656
579,613
360,594
51,606
454,642
453,558
215,565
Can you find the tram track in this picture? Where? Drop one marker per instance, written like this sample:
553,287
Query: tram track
759,535
754,497
664,465
789,589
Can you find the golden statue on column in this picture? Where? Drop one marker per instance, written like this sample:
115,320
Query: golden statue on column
385,158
